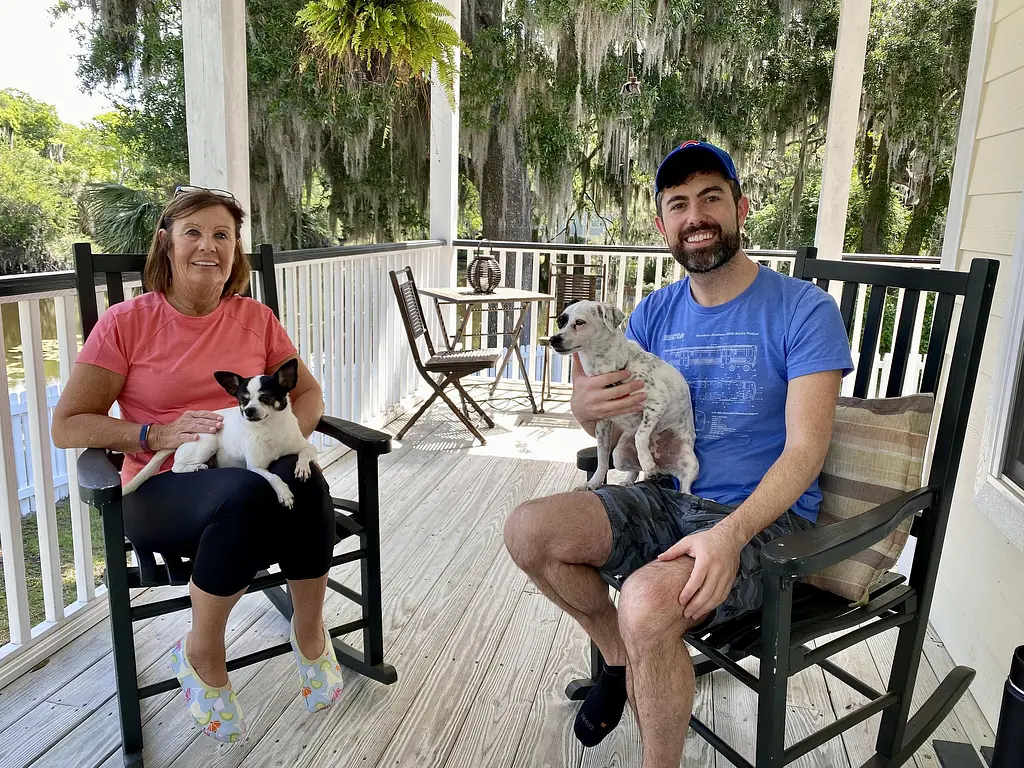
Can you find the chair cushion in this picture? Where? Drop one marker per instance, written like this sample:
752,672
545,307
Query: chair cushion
461,359
876,454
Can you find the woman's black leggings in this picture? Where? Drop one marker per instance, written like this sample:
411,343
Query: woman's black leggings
230,524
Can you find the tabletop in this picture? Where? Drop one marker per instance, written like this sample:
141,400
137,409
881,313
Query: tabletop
466,295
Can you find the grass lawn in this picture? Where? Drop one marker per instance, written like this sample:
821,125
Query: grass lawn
30,536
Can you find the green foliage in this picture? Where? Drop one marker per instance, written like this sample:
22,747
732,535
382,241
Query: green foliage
398,40
34,211
122,219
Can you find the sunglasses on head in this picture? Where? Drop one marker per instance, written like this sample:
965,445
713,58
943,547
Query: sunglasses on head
182,189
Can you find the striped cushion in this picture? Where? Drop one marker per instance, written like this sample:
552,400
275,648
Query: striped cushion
876,454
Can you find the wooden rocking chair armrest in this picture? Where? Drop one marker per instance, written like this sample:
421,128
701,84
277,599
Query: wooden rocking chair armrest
807,552
357,437
99,482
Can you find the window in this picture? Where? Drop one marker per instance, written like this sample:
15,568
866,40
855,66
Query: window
1013,460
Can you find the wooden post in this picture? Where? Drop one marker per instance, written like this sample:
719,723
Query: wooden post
444,153
217,98
969,114
841,132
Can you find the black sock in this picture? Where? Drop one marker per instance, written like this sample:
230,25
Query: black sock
603,707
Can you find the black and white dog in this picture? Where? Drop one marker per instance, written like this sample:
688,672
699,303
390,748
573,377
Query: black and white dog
260,430
591,329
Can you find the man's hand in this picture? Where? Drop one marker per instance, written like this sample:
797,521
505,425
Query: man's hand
716,553
596,397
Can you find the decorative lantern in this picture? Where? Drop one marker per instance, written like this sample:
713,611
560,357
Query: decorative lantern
484,272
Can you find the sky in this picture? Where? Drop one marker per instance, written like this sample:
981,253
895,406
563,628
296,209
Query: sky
38,56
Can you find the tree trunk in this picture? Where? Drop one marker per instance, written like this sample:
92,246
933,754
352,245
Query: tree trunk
505,194
792,223
918,219
877,203
933,200
505,197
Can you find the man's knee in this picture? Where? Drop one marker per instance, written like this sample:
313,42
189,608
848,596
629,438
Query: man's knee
525,533
649,605
568,528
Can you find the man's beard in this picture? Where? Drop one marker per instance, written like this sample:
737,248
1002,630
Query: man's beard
700,260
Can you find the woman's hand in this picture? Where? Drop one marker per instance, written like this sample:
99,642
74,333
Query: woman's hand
187,428
603,396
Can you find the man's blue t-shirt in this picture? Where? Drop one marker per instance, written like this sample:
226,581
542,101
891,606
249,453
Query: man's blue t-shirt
738,358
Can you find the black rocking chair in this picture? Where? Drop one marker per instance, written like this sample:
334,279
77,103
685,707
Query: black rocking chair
100,486
796,613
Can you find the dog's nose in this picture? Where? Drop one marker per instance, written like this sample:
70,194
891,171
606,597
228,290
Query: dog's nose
251,413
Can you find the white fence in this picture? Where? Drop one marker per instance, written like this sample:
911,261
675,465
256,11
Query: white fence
23,450
529,265
339,309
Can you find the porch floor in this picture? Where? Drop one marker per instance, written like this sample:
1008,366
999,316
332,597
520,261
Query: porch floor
482,657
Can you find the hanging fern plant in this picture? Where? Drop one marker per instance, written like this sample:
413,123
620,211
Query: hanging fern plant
383,41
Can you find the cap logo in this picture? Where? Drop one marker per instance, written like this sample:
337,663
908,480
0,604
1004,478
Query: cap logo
690,143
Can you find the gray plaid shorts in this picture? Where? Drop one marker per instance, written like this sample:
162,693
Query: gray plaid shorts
648,518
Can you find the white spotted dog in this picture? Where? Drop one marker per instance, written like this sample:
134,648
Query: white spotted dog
591,329
260,430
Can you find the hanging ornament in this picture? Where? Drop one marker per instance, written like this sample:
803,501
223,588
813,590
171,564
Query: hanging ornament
631,88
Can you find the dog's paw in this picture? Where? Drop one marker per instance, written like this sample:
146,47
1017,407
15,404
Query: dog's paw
302,471
590,486
285,497
179,468
649,470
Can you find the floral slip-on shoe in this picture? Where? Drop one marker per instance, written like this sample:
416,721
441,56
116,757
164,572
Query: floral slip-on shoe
320,679
215,710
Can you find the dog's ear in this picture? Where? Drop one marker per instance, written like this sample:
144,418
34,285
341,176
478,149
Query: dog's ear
612,315
231,382
288,374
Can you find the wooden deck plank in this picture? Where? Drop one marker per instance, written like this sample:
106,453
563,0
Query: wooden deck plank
46,724
858,741
967,710
61,668
460,602
547,740
98,734
440,612
500,706
883,647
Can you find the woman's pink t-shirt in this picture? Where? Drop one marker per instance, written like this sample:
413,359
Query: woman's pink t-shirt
168,359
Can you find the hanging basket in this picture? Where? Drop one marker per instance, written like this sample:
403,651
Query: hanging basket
484,272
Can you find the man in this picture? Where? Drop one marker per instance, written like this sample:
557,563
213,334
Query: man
764,355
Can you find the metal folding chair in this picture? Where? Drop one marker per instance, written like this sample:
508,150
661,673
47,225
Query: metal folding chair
451,365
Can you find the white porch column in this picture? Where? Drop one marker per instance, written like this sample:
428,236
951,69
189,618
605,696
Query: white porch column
841,132
217,98
444,153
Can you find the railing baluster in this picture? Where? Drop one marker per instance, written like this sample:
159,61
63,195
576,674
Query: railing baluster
81,528
42,467
340,342
538,316
317,357
638,289
18,619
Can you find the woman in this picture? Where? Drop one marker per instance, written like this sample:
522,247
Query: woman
155,355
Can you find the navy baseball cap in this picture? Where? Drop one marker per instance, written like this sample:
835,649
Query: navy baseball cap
687,152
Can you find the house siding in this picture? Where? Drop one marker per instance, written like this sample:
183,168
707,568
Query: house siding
979,602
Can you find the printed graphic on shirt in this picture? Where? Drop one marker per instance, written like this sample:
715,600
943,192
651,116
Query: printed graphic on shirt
721,369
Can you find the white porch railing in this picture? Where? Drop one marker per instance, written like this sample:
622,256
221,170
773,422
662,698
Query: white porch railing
339,309
529,265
